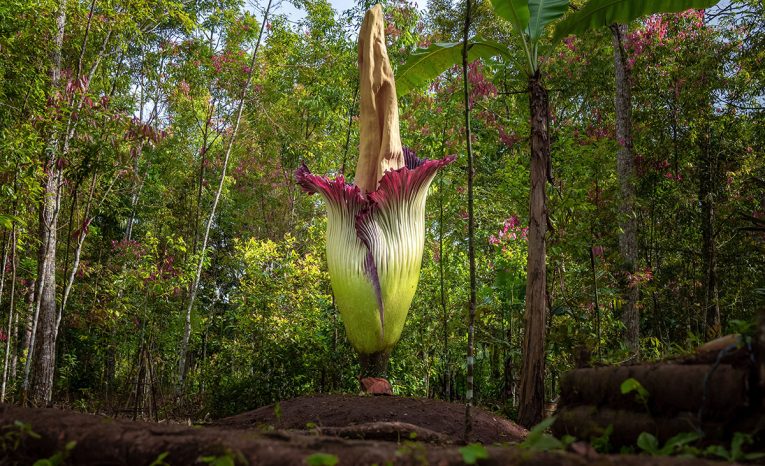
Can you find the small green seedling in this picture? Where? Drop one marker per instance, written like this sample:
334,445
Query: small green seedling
736,452
602,443
226,459
650,444
12,435
538,440
473,452
59,457
160,460
632,385
321,459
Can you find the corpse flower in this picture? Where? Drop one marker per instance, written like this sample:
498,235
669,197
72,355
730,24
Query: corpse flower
376,226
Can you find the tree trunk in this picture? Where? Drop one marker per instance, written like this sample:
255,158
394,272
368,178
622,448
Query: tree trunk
707,181
471,228
532,372
43,339
26,348
625,170
10,334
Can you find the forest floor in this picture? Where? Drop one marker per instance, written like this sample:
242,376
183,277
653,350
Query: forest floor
314,430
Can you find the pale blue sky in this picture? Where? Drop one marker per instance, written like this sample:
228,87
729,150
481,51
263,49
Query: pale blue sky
286,8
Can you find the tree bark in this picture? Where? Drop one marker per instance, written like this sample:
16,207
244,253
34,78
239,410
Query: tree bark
625,170
471,228
10,334
28,320
707,189
42,345
532,372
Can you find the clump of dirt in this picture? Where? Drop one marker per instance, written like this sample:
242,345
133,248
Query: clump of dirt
372,416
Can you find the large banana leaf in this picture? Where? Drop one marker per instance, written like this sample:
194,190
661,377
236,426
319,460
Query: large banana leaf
515,11
543,12
424,65
598,13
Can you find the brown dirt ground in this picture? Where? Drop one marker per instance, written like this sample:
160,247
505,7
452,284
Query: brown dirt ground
247,439
332,411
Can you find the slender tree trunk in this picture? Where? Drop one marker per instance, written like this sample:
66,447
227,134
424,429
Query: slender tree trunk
43,343
83,233
76,264
471,227
28,323
203,161
625,170
16,345
195,283
533,370
441,265
595,298
707,181
350,125
136,195
11,307
6,243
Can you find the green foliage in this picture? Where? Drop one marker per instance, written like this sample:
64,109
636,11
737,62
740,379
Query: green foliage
160,459
632,385
529,19
602,443
424,65
227,458
543,12
539,440
736,451
473,452
600,13
321,459
58,458
518,12
222,460
11,436
278,411
649,444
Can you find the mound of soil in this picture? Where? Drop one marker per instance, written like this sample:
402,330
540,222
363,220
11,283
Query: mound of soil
85,439
380,417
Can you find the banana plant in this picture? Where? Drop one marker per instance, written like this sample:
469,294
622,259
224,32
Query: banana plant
376,226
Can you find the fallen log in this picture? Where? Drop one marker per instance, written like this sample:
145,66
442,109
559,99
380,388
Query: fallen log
590,422
672,389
